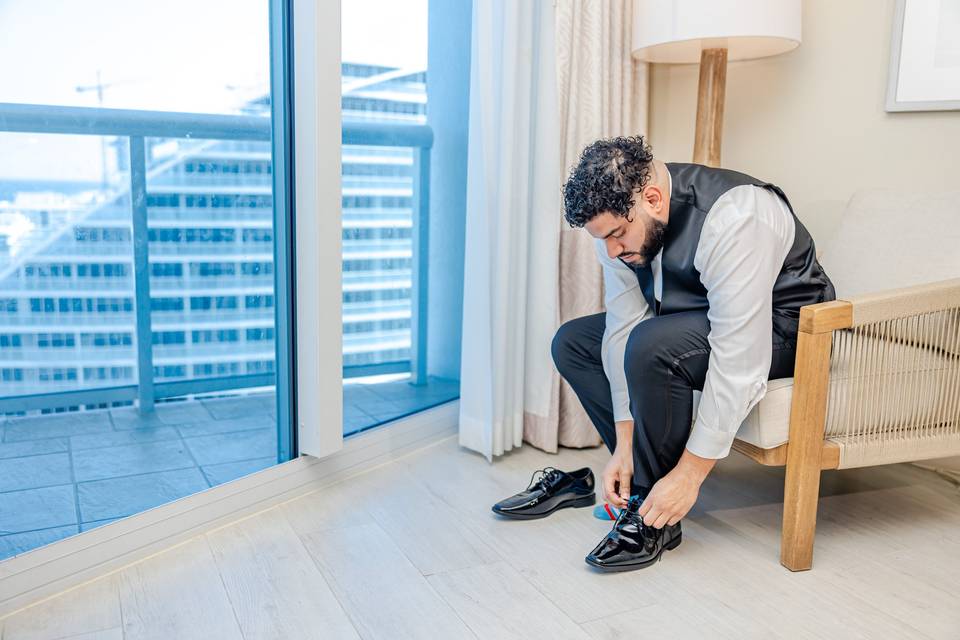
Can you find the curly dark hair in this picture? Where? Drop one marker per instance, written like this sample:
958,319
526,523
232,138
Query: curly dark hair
605,179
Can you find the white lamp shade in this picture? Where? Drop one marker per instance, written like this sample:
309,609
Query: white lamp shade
678,30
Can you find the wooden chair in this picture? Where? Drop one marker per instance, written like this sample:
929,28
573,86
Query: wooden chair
877,376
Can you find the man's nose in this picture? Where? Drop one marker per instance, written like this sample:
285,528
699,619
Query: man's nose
614,249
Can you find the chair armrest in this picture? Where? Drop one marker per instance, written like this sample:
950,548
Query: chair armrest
883,305
905,302
826,316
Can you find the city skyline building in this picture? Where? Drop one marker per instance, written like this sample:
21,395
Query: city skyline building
67,295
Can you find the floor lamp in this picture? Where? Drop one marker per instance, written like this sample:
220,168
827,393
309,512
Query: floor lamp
712,32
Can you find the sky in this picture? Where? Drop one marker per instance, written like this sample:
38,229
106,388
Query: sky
203,56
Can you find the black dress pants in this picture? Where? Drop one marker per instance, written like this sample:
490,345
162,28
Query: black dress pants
666,359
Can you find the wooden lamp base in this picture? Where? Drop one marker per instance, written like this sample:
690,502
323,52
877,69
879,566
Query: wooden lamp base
710,95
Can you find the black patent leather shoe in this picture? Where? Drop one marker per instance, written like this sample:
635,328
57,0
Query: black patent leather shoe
554,490
631,544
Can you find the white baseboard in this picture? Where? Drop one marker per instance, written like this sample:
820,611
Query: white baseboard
42,573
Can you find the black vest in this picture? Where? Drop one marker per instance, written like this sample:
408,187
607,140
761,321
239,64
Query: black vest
802,280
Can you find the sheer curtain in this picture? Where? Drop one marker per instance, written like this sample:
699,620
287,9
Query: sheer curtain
512,242
547,78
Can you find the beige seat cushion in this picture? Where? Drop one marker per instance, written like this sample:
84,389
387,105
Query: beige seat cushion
768,424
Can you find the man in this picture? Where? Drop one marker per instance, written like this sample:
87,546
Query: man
704,271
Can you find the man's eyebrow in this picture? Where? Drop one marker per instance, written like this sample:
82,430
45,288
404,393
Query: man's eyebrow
617,228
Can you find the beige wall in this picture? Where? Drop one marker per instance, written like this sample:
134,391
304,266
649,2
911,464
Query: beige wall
812,121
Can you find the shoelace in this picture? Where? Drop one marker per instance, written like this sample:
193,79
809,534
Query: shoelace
549,473
644,528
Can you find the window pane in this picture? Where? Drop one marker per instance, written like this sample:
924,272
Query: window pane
67,318
109,52
138,259
397,343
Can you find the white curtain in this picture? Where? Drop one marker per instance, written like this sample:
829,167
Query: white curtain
513,223
547,78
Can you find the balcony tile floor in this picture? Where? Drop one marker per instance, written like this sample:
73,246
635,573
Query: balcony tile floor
65,473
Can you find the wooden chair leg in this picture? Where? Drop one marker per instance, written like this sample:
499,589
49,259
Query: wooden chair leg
807,422
801,493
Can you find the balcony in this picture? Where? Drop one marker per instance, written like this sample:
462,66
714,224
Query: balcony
65,473
79,448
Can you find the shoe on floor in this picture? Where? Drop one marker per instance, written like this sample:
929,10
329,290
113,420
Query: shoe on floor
555,489
631,544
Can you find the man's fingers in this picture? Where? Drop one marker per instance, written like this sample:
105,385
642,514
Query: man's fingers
607,483
624,485
608,486
614,499
608,490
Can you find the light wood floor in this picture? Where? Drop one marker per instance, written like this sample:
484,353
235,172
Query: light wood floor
410,549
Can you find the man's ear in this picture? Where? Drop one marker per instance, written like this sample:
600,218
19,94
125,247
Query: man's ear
653,196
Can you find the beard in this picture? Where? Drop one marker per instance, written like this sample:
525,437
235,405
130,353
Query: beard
653,241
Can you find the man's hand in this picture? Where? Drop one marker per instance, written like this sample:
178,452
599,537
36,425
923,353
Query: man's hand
673,495
616,477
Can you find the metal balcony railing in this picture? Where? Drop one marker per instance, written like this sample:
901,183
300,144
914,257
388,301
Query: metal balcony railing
244,132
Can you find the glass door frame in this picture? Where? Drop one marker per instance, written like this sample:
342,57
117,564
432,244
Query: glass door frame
317,304
281,91
314,124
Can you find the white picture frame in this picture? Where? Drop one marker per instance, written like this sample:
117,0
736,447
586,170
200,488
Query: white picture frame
924,56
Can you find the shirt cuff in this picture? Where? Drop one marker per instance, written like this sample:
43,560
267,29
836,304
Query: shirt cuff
707,442
621,406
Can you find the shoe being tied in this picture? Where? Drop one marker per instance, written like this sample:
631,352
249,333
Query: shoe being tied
632,544
555,489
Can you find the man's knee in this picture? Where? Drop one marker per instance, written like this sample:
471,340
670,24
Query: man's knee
645,353
561,348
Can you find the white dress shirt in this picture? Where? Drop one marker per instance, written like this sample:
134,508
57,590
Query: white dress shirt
746,236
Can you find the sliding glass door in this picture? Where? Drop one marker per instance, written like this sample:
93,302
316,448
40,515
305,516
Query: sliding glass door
145,256
404,94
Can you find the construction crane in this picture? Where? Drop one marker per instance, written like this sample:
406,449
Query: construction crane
99,86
